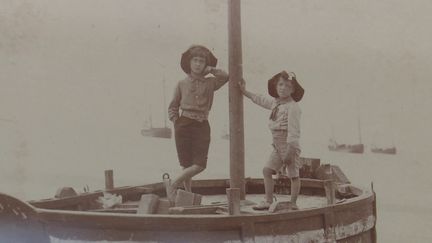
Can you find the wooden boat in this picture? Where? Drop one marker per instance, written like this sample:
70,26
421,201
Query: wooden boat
349,148
383,149
391,150
351,218
157,132
347,215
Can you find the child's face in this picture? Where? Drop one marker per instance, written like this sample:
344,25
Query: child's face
284,88
198,65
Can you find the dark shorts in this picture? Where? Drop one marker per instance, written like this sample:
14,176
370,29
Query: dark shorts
192,140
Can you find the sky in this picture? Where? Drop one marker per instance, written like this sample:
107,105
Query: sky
78,74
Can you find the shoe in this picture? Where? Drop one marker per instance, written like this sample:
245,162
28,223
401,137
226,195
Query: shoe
263,205
282,207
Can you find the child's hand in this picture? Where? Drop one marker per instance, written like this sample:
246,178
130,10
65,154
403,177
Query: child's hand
288,157
208,70
242,86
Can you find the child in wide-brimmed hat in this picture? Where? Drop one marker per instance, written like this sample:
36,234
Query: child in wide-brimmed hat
194,96
284,124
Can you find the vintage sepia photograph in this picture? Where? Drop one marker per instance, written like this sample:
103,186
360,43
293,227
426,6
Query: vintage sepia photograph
298,121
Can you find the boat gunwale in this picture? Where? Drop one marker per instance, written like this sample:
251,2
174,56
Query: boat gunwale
349,203
366,196
153,187
56,219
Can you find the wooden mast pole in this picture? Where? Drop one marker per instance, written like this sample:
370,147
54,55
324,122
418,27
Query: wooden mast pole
164,97
237,173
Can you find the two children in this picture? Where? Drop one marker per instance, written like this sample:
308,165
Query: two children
284,124
194,96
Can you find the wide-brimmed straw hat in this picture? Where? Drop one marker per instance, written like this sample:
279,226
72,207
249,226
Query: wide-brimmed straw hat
186,57
298,89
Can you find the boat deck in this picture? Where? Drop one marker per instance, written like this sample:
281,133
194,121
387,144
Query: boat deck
303,201
217,204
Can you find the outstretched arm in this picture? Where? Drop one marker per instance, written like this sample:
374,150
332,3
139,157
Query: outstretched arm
294,114
260,100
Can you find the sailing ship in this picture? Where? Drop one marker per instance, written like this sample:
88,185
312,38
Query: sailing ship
391,150
383,150
158,132
341,212
348,148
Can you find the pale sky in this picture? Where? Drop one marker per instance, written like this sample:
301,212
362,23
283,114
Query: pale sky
88,70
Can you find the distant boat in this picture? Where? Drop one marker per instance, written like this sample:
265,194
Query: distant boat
391,150
348,148
158,132
383,149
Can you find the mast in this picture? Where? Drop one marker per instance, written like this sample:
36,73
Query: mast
358,121
359,130
164,97
236,130
150,117
333,134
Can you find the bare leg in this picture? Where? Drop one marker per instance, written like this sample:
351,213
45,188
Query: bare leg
186,175
268,184
188,185
295,189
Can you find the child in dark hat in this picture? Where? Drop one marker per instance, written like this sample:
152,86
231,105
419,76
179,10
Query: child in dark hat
284,124
194,96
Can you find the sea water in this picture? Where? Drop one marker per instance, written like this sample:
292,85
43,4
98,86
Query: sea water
402,181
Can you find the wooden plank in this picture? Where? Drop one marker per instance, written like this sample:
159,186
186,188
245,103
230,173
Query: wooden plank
148,204
115,210
248,232
207,209
280,207
330,191
109,180
184,198
305,183
233,196
329,223
55,203
163,206
128,204
210,183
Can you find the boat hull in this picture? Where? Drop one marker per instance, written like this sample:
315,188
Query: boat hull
162,132
344,223
384,151
350,221
355,148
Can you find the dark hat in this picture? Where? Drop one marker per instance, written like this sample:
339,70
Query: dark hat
187,56
298,90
